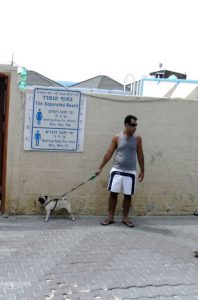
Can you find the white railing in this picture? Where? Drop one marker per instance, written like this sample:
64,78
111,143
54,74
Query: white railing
127,76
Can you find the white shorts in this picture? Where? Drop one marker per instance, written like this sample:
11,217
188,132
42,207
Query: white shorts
122,181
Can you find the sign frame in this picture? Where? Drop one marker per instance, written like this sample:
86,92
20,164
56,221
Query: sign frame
67,127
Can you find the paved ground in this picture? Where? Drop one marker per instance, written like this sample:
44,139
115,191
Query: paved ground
62,259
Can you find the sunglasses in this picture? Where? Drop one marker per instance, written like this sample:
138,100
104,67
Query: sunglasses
132,125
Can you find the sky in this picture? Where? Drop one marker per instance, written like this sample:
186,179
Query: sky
74,40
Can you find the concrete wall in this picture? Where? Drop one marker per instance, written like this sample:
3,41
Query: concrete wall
170,138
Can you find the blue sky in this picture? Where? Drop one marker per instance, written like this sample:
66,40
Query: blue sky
73,40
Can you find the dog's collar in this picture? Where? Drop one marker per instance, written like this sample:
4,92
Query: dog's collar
47,203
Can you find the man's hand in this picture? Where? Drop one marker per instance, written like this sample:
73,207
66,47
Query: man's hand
97,173
141,176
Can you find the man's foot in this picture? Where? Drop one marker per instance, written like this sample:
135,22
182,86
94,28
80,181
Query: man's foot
128,223
107,222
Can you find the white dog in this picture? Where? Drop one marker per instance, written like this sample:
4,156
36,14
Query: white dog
55,204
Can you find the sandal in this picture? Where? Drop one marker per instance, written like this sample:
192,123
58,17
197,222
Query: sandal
107,222
195,253
128,224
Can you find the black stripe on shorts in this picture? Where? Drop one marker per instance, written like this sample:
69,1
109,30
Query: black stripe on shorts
122,174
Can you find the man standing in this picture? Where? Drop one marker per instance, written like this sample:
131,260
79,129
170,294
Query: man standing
126,146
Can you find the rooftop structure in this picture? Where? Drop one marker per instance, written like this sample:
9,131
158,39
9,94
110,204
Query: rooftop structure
167,74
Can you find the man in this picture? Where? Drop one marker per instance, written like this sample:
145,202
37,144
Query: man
126,146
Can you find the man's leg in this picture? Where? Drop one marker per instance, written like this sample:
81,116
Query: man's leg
126,207
112,206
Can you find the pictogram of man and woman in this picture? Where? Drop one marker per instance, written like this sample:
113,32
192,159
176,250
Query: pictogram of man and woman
37,135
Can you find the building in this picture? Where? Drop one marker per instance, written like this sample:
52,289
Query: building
100,84
36,79
167,74
166,84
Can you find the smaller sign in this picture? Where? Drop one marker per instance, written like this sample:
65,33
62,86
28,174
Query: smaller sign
54,139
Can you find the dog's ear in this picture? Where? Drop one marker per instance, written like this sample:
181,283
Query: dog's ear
46,197
40,199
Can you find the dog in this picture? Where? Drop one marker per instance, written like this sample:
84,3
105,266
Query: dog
55,204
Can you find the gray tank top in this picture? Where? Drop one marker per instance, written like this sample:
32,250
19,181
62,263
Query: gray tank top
125,156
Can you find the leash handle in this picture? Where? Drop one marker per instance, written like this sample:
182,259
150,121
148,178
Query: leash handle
91,178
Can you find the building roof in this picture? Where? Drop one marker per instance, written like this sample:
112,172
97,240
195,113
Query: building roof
34,78
99,82
167,74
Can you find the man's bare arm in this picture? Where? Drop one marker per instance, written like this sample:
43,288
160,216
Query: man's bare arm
140,156
108,154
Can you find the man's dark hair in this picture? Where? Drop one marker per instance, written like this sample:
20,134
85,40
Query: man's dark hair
128,118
